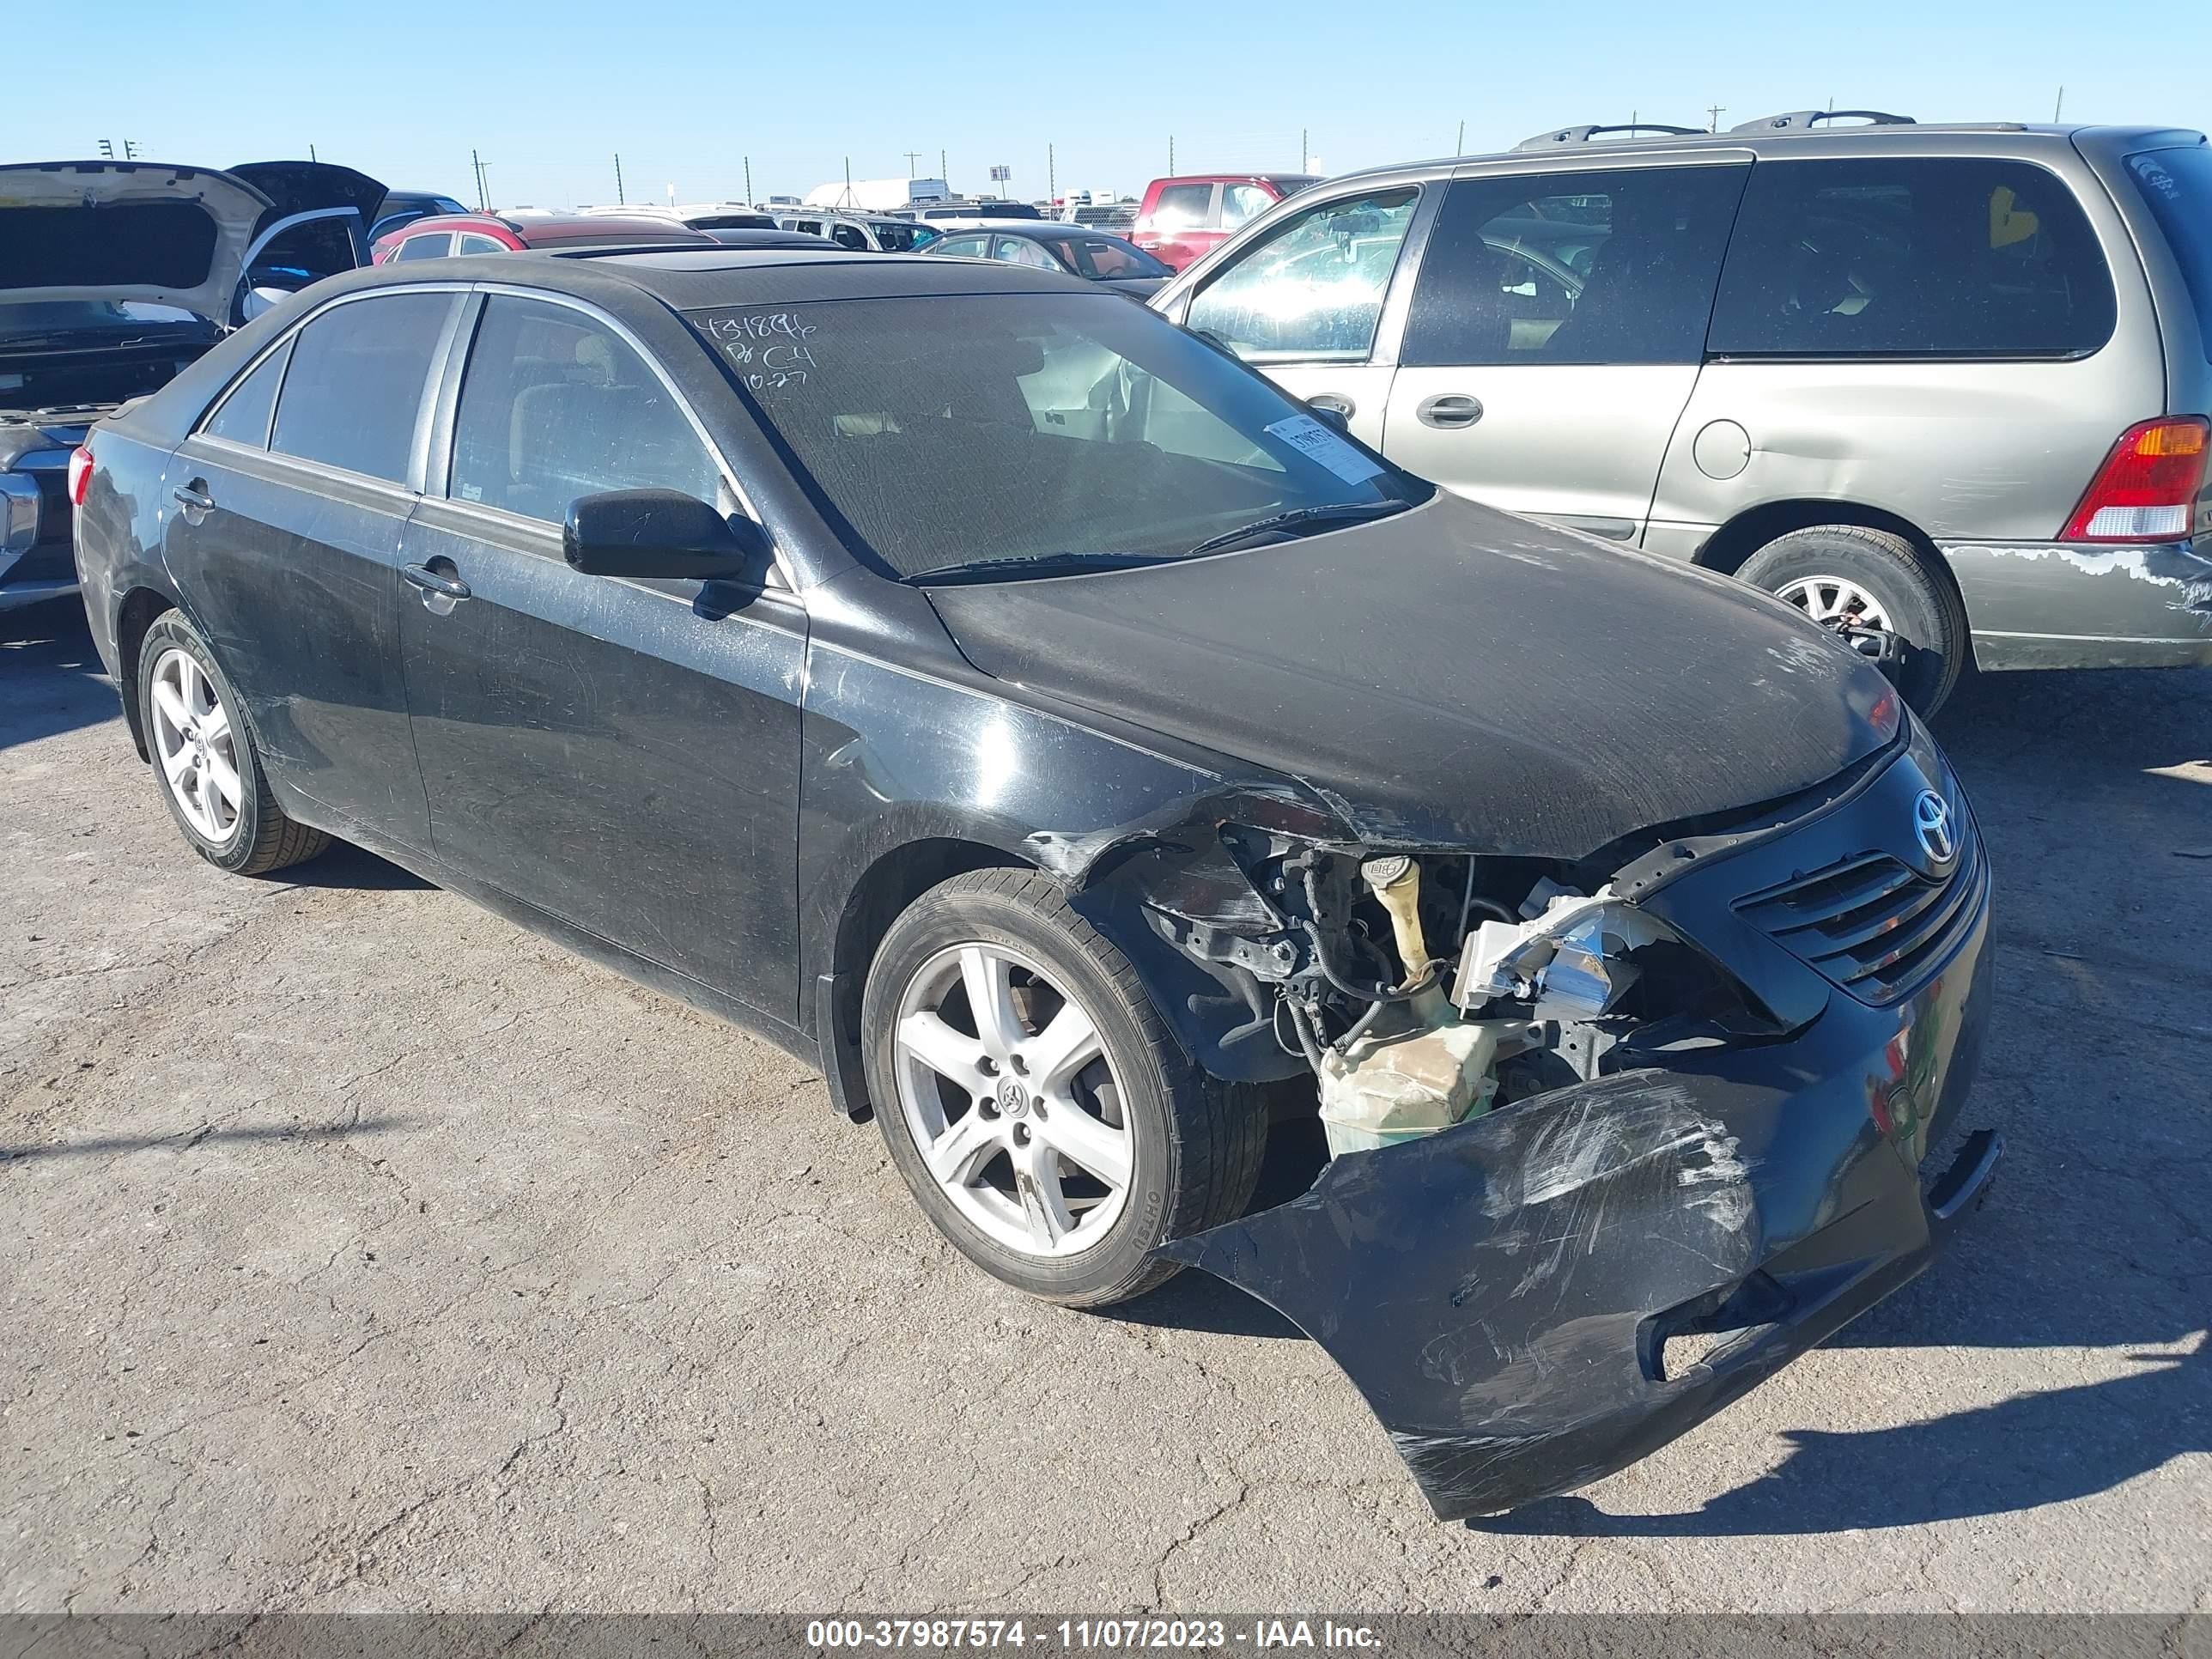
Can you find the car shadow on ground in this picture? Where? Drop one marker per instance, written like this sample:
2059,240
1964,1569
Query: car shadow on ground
348,868
205,1135
51,678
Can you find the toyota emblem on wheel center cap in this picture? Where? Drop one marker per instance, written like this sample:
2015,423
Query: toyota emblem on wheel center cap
1932,821
1013,1099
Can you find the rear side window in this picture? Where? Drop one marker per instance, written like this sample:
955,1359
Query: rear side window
431,245
356,385
2177,184
1312,291
1182,205
555,405
1603,267
1911,257
243,416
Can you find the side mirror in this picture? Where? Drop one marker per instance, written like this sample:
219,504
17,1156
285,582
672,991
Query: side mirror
1332,418
662,533
258,300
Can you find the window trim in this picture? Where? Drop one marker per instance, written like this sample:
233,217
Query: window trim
1397,293
439,430
2069,354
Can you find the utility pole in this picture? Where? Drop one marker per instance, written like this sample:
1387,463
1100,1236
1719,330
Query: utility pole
749,180
912,156
2056,107
944,175
1171,152
483,194
1051,177
312,156
621,200
1715,111
1459,144
1302,150
846,200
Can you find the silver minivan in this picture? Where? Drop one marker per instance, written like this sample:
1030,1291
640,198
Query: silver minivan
1943,387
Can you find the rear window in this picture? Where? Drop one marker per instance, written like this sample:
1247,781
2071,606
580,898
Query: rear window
1911,257
117,245
356,384
2177,184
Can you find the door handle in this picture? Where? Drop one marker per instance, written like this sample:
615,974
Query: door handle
194,499
1449,409
435,585
1332,400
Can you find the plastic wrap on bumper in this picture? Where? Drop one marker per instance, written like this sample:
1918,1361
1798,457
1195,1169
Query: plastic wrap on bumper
1508,1295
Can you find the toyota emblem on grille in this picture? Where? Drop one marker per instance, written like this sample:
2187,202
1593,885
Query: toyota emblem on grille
1932,821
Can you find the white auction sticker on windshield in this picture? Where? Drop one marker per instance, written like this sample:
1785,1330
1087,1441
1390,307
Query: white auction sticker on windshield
1309,437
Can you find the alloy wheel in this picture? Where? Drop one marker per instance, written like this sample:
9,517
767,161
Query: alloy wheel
1004,1086
1834,599
196,746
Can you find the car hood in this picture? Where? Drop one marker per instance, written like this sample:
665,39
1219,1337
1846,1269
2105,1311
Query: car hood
67,246
1450,677
303,186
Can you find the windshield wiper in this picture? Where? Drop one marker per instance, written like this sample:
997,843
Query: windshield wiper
1047,564
1337,511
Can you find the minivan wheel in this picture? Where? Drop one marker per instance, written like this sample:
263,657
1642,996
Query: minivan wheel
1833,570
204,759
1047,1120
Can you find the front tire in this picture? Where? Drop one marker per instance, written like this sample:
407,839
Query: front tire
205,761
1832,569
1045,1120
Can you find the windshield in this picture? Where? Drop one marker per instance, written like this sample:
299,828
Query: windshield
59,319
2177,184
954,430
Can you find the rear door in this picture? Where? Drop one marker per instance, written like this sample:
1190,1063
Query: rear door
1555,333
1934,336
1305,303
621,755
284,534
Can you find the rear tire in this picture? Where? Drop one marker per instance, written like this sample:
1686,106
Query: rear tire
204,762
1833,566
979,1113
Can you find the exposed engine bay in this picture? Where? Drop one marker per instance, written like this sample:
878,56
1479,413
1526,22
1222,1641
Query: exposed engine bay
1422,990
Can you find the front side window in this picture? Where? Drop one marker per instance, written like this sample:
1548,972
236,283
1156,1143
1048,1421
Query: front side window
1617,266
243,416
354,388
430,245
1242,202
555,405
851,236
988,433
1911,257
1020,251
1313,290
1181,206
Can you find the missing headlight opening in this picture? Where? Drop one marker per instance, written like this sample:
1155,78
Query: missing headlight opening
1424,989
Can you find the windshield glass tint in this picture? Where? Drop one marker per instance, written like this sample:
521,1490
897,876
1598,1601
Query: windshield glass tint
2177,184
949,431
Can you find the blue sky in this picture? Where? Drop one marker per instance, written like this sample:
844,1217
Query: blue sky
549,92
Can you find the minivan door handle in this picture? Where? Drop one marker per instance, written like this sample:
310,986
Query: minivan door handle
435,586
1335,402
193,497
1449,409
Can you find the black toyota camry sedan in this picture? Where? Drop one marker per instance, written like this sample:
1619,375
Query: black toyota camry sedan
1085,754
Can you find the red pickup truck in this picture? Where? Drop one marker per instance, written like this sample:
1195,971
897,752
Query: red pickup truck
1186,217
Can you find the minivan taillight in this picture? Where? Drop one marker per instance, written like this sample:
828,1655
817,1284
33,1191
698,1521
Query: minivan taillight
80,473
2147,489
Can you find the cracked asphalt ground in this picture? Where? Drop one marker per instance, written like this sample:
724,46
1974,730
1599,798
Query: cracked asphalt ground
358,1250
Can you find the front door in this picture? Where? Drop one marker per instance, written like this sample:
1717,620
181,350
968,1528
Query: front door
1555,334
621,755
285,526
1304,304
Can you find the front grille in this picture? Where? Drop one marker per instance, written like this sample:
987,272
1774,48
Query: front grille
1872,925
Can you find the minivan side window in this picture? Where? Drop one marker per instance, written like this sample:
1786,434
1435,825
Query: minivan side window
243,416
555,405
354,388
1312,291
1612,266
1911,257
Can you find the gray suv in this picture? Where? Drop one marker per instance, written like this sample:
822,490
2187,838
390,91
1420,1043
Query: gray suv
1943,387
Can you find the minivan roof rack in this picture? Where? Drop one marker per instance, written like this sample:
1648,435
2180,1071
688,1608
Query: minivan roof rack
1560,136
1804,120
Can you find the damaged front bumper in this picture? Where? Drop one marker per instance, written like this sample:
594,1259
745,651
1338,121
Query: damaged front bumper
1537,1297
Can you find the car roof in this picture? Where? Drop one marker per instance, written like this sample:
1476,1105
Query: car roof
715,277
